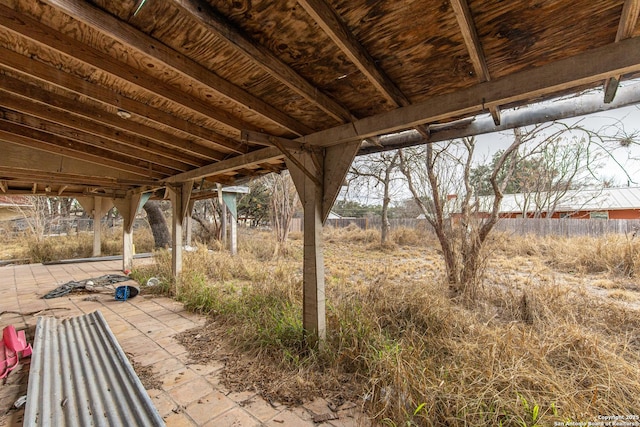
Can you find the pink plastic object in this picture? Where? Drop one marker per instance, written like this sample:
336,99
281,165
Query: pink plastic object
13,344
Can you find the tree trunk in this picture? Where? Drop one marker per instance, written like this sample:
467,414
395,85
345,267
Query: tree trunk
159,228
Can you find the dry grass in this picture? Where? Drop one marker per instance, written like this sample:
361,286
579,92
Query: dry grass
540,346
29,250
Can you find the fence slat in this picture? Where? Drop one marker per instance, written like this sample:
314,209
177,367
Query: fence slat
521,226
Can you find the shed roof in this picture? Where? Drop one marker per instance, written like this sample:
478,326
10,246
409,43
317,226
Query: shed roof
596,199
100,97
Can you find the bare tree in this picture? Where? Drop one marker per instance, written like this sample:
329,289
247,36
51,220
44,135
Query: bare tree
375,171
284,201
440,181
158,224
438,177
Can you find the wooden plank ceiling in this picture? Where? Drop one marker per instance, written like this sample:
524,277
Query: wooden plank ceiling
103,97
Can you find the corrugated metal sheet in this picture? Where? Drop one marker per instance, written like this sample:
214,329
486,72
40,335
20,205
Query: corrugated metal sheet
80,376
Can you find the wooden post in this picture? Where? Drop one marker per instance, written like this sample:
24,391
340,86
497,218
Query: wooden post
128,208
180,195
234,236
97,226
95,207
189,223
318,177
223,216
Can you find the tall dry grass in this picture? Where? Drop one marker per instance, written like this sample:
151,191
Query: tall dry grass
28,249
532,351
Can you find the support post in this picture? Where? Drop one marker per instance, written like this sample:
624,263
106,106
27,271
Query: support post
128,208
234,236
95,207
97,226
328,169
180,195
223,216
189,223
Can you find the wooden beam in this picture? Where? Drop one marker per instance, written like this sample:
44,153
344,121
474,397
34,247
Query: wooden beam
35,188
97,121
512,118
52,75
47,123
46,36
337,30
36,139
583,69
19,158
209,17
65,179
245,160
135,39
474,47
626,26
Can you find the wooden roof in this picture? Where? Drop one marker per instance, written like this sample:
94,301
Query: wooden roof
101,97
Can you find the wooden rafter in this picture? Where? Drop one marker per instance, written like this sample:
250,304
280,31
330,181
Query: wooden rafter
628,21
46,73
565,74
36,139
38,103
145,151
585,68
235,163
474,47
207,16
35,31
114,28
16,159
335,28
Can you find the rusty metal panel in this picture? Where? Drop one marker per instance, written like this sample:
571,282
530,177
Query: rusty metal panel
80,376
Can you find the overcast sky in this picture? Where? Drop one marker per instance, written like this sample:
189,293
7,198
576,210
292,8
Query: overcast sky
622,164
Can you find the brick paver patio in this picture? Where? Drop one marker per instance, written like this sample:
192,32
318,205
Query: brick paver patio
189,394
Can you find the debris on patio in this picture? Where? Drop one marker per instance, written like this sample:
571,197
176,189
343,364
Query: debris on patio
88,285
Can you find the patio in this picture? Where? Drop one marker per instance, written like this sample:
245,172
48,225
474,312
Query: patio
185,394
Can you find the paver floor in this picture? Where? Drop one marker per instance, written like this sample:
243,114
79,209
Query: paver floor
188,394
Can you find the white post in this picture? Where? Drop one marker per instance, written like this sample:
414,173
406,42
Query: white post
97,226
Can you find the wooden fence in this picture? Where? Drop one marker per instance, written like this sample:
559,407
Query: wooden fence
520,226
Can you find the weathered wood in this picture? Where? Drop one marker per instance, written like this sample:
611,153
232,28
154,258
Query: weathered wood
313,293
582,69
36,139
35,31
180,195
97,226
336,29
317,196
128,208
560,109
115,100
253,158
265,59
628,20
57,122
474,47
101,122
134,39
